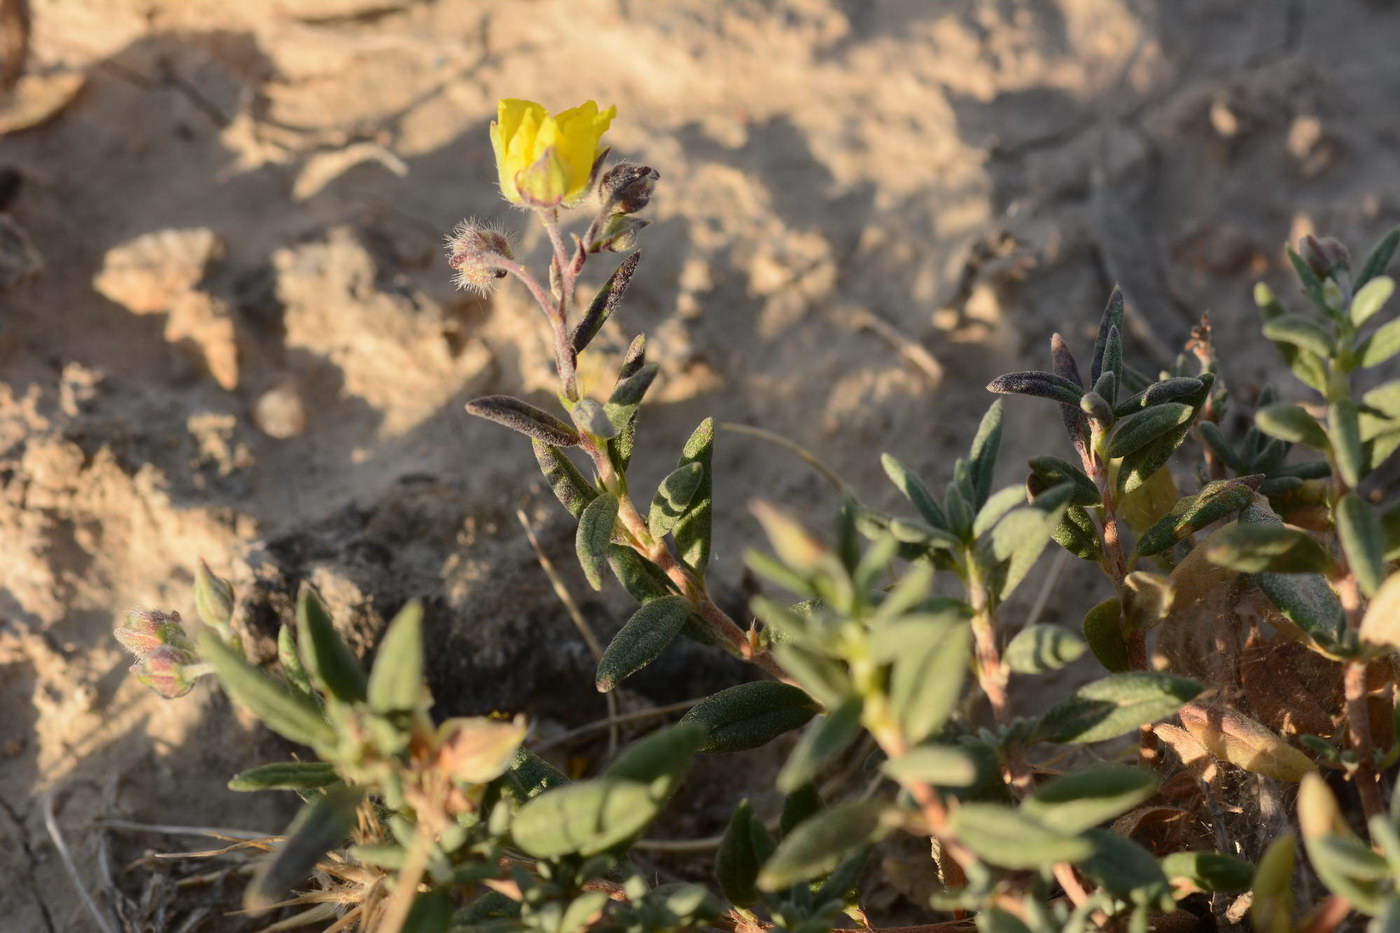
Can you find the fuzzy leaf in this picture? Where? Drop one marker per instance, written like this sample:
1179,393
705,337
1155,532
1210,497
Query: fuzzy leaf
1268,548
659,760
1014,839
641,638
1141,429
1039,384
1210,871
1344,431
1312,285
1168,390
331,664
1113,318
584,818
823,740
982,459
673,497
1304,598
692,532
1215,501
1139,466
1215,440
321,825
1290,423
1119,703
530,775
642,579
525,418
1076,801
213,597
940,765
746,845
996,507
1125,869
569,487
604,303
913,488
396,680
928,672
1380,346
1066,367
1040,648
1302,332
1379,257
1077,533
291,715
627,396
285,775
1370,299
1051,471
1363,541
817,845
289,659
1103,631
590,418
595,528
749,715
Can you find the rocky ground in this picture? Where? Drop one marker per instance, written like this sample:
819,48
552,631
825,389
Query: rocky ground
226,328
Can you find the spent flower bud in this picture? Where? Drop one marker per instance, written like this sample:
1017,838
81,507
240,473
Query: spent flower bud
1324,256
618,234
144,631
626,187
477,253
169,670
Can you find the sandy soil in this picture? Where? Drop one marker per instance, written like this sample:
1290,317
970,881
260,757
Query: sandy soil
243,342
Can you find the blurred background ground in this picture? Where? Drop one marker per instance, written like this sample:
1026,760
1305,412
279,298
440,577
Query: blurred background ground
226,328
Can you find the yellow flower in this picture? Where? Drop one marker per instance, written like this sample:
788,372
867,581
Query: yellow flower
547,160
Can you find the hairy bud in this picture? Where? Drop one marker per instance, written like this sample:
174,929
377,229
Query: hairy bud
1324,256
145,631
626,187
477,253
618,234
169,670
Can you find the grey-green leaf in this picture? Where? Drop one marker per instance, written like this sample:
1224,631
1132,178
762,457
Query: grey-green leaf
1109,707
285,775
1370,299
745,846
823,740
523,417
584,818
595,528
673,497
291,715
982,459
1344,431
396,680
1014,839
1040,648
939,765
331,664
604,303
1290,423
927,677
564,479
321,825
1216,500
1141,429
1080,799
1040,384
1363,541
817,845
641,638
913,488
749,715
692,531
1303,332
1380,346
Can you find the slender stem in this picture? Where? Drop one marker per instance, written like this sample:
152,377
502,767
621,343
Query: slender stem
1359,727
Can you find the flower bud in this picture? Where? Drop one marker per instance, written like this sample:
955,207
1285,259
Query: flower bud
476,252
169,671
1324,256
213,597
143,632
476,750
618,234
626,187
1096,406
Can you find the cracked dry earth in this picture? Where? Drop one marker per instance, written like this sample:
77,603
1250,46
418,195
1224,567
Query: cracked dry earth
226,328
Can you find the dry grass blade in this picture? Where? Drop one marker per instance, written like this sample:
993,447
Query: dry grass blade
56,836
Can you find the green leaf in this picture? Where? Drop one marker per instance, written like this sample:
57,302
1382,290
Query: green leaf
1380,346
1344,431
673,497
1363,541
1019,538
927,677
913,488
642,579
1039,384
1112,363
1080,799
1168,390
816,846
982,459
530,775
1302,332
1141,429
1379,257
1304,598
1312,285
622,405
1142,464
1126,870
1014,839
564,479
523,417
1040,648
585,817
285,775
749,715
1119,703
1273,887
330,663
1051,471
659,760
431,912
1210,871
939,765
396,681
1112,319
290,661
824,739
798,807
1103,630
291,715
1215,440
1267,548
692,532
746,845
1370,299
996,920
321,825
1215,501
641,639
1077,533
604,303
1290,423
1390,528
595,529
589,417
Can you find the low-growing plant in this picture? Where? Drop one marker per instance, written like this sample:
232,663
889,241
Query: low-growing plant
1246,645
